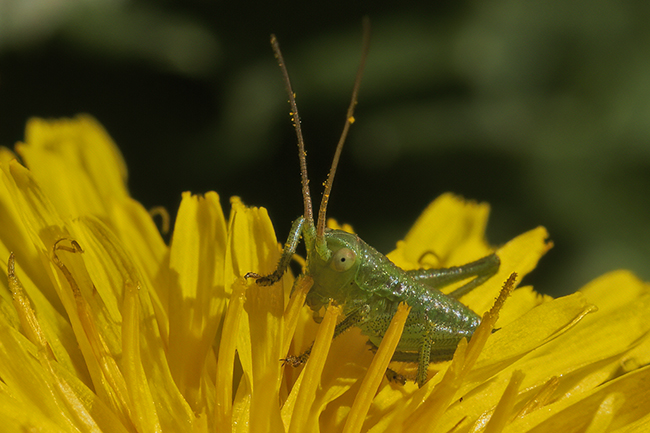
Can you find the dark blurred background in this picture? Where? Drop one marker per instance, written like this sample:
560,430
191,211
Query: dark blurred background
541,108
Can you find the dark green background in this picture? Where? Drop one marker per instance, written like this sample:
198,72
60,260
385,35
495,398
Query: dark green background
541,108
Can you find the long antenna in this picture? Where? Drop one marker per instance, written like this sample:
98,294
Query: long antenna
306,196
349,119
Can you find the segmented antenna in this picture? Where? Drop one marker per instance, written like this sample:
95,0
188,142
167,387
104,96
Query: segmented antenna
306,196
349,119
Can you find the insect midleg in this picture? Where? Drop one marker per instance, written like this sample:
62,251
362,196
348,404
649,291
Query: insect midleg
352,319
482,269
423,356
423,359
287,253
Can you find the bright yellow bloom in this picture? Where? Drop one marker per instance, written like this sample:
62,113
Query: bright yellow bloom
104,327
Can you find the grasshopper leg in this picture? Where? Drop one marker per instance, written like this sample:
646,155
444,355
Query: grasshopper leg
287,253
352,319
391,374
394,376
424,356
482,269
436,355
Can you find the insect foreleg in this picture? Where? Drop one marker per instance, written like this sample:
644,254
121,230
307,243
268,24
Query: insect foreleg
287,253
352,319
482,269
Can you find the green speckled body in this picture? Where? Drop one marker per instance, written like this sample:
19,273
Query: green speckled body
376,286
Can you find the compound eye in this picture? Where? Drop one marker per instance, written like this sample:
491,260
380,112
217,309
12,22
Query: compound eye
343,259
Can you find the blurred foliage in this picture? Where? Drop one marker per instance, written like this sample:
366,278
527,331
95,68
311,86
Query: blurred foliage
540,108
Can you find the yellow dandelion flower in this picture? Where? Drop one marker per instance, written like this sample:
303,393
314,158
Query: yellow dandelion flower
104,327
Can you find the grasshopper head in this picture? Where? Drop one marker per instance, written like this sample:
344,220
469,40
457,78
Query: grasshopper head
333,276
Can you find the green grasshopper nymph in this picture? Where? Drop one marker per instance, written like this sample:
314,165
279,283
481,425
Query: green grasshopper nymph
365,283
